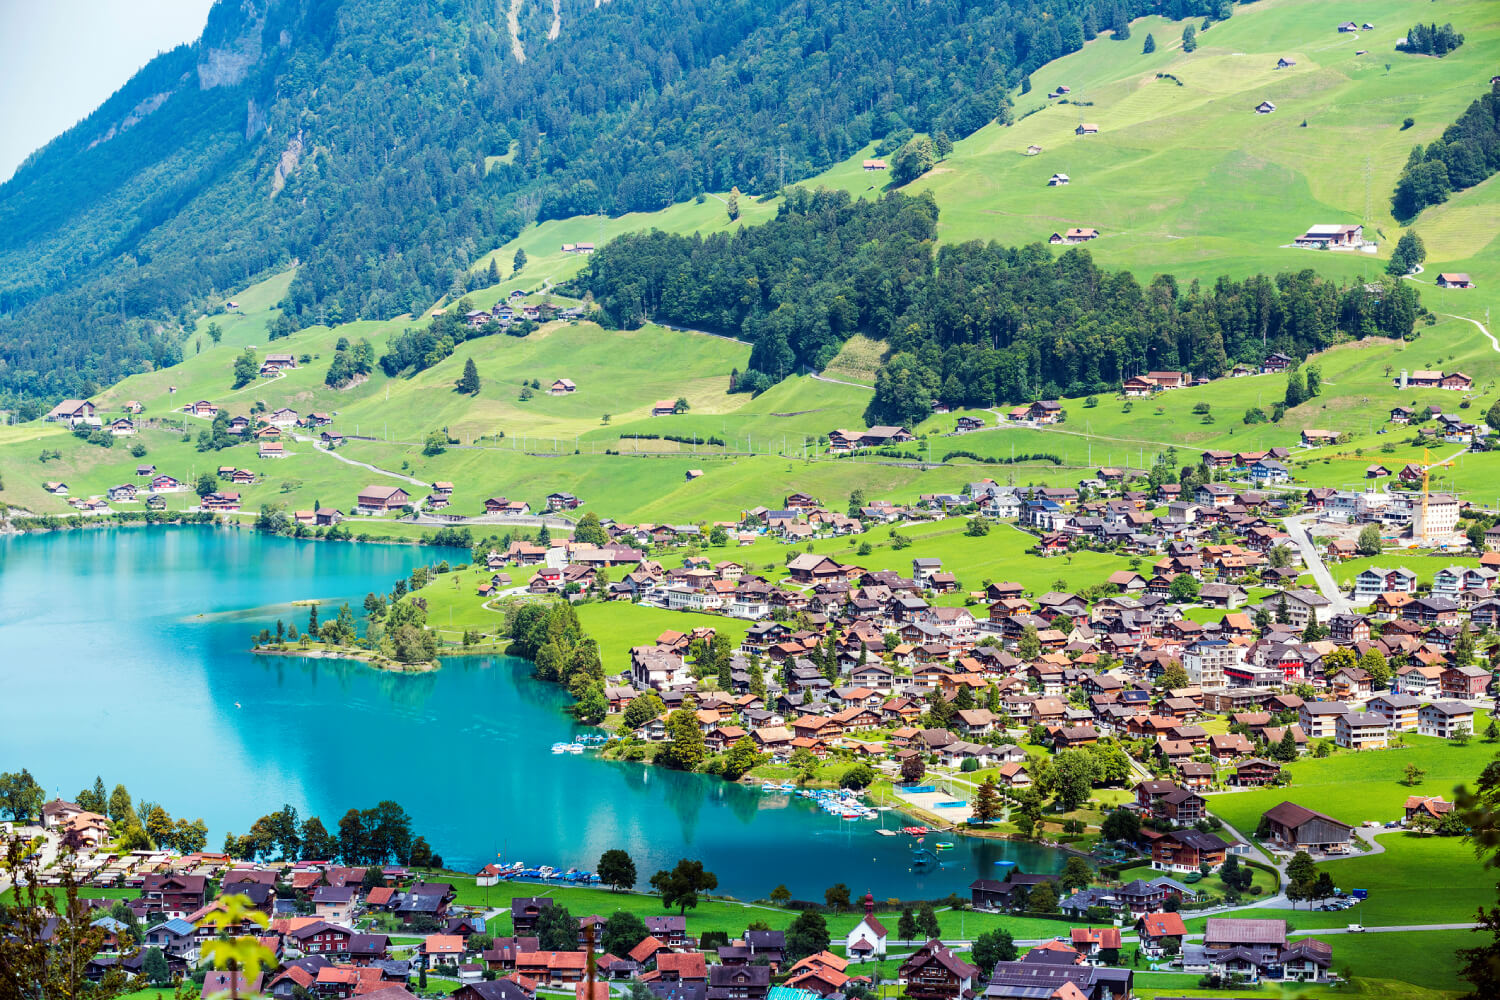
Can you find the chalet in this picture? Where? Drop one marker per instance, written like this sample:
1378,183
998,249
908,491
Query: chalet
202,408
562,501
1086,128
935,973
1297,828
1402,414
72,412
1187,851
874,165
1161,932
561,387
1264,108
663,408
1138,386
121,427
1434,806
378,499
272,449
1285,63
1073,236
1045,411
277,362
1315,438
1057,180
1454,279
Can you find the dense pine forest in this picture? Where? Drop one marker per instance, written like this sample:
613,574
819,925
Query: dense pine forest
1468,152
382,145
969,325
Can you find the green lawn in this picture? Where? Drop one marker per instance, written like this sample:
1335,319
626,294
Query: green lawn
1365,786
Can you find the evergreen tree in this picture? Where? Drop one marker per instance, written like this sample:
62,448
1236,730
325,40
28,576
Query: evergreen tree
468,382
1296,388
732,204
493,273
1189,38
1150,45
987,805
518,262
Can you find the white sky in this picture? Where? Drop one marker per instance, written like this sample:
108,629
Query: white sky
61,59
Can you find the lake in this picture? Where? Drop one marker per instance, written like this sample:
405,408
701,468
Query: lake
125,653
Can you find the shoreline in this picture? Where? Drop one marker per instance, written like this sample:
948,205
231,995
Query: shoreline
177,519
368,658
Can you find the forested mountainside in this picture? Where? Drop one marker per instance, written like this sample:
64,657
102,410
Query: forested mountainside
383,144
974,324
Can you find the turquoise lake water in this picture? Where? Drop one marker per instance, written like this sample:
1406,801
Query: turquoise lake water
124,653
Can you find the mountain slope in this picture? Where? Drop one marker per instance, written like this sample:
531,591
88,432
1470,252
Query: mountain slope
369,141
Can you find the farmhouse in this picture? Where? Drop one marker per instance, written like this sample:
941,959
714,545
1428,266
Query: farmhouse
1086,128
1454,279
376,499
1285,63
72,412
1057,180
1264,108
1332,237
1073,236
663,408
871,165
562,387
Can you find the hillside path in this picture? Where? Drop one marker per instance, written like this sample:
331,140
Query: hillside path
363,465
820,377
1494,344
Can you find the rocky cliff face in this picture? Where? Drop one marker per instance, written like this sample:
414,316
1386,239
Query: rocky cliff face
231,45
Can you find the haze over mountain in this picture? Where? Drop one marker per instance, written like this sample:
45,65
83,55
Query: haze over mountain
383,145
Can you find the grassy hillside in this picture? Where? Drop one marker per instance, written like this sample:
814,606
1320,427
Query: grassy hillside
1181,178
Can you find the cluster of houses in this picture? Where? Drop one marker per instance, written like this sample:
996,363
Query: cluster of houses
1254,949
514,309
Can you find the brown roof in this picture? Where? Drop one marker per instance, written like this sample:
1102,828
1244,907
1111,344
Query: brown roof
1291,815
1244,931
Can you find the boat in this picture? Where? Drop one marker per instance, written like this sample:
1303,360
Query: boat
546,871
1006,864
559,748
915,831
575,748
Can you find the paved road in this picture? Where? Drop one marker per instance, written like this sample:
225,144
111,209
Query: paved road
1295,527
